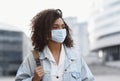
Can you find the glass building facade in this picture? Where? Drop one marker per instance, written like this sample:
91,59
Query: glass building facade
10,51
112,53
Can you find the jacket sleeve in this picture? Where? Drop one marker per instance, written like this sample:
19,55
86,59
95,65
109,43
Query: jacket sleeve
26,69
85,72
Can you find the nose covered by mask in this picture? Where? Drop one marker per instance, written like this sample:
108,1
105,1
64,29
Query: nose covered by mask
58,35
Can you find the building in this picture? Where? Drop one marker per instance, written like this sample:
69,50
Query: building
14,45
105,30
79,35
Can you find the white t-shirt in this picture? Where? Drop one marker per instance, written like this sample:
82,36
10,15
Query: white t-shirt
56,69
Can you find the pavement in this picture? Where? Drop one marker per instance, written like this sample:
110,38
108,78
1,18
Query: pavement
8,78
107,78
99,69
114,64
108,68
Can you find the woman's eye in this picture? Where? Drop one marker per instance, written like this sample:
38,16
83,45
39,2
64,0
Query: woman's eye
54,27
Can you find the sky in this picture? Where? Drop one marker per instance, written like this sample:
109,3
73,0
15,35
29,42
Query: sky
20,12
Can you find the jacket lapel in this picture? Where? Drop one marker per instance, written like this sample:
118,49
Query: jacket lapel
70,57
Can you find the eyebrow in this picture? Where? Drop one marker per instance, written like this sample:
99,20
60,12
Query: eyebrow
58,24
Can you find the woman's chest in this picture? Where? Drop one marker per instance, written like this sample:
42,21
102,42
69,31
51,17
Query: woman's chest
70,72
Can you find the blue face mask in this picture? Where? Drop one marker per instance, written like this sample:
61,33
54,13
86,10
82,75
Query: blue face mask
58,35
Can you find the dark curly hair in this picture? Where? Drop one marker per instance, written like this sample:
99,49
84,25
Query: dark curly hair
41,27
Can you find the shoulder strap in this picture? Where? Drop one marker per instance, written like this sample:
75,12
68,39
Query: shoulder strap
36,57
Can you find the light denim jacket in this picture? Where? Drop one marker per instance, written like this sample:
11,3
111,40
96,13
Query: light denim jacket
75,69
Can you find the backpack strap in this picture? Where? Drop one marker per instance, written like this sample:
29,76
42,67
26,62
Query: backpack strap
36,57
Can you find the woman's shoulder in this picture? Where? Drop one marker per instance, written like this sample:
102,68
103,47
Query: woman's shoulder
73,52
28,56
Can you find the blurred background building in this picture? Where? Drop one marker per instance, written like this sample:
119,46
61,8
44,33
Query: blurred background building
79,35
104,29
14,45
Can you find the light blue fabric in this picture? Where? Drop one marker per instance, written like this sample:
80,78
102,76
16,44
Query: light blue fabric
59,35
76,68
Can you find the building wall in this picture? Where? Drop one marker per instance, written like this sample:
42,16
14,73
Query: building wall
10,51
79,35
14,45
83,37
105,28
26,45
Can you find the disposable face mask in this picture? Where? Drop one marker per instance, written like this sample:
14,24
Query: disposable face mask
58,35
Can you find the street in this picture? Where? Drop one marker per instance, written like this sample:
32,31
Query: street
102,70
107,78
105,73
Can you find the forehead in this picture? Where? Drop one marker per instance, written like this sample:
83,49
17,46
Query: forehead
59,21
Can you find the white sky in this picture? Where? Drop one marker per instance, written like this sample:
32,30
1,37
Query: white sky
19,12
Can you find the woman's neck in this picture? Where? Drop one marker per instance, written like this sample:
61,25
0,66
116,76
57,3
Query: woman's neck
54,47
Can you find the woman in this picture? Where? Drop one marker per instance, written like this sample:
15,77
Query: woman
60,62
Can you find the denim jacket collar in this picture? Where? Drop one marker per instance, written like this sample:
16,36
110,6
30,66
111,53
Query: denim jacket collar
69,53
